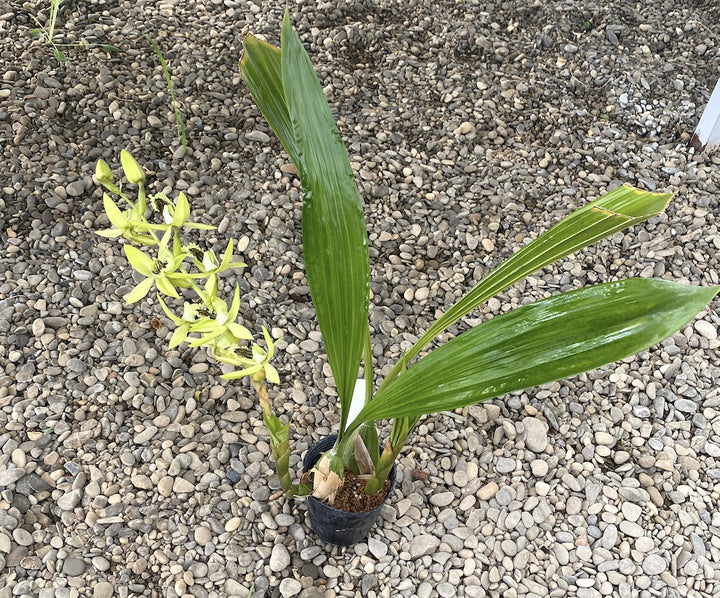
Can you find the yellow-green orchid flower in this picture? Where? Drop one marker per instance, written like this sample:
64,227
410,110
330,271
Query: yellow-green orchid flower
191,314
126,223
257,366
162,272
220,325
206,261
176,215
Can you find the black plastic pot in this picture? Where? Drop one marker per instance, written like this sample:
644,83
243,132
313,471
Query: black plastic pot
332,525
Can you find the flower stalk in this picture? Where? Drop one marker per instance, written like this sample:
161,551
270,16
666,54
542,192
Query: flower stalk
206,319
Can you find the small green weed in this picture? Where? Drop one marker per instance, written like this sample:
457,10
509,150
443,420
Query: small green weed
178,116
48,34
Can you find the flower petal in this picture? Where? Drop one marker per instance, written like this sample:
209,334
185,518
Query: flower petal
272,374
242,373
114,214
182,210
165,286
178,336
139,291
109,233
239,331
140,261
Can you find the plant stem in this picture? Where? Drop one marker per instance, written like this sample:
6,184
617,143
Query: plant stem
54,7
279,443
383,467
262,391
180,124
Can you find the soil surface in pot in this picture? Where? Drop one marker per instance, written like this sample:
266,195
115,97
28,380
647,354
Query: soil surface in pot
351,496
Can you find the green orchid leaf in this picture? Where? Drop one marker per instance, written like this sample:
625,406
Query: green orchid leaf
261,68
109,48
614,211
139,291
544,341
133,172
334,233
140,261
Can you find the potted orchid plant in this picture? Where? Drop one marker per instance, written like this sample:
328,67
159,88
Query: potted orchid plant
550,339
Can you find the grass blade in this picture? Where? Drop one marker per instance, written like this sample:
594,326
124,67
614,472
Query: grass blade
178,116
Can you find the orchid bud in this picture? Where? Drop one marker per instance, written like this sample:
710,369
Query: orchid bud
102,172
134,173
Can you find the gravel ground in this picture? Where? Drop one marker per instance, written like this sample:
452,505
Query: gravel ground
130,470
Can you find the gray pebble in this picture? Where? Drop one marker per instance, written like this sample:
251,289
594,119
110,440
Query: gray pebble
290,587
377,548
10,475
536,438
685,405
75,189
280,558
145,436
636,495
654,564
442,499
203,535
505,465
73,566
258,136
70,500
22,537
100,563
422,545
103,589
